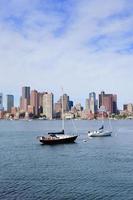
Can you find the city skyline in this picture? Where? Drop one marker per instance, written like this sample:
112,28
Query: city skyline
18,99
79,45
42,104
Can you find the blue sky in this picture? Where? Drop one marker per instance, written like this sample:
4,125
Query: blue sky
83,46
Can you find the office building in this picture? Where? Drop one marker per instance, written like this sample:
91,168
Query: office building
10,102
109,101
48,100
92,102
40,102
34,101
115,110
65,101
26,93
70,104
25,99
58,107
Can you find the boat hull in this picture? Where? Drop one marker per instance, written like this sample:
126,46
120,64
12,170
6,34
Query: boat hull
49,141
100,134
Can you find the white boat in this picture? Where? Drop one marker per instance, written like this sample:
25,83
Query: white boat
99,133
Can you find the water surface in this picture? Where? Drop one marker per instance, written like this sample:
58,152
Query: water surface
100,168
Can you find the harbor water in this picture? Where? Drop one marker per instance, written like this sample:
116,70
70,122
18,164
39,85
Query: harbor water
89,169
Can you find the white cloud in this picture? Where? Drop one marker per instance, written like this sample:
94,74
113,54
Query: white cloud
47,48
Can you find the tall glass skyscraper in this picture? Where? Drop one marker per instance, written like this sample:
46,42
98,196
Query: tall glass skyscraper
26,93
25,98
92,102
10,102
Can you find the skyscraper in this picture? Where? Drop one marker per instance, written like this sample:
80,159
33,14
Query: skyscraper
40,101
26,92
70,104
92,102
34,101
1,101
25,98
10,102
65,102
48,101
115,104
109,101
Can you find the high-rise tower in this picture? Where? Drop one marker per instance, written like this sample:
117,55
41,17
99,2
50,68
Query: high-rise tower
48,101
10,102
109,101
25,98
34,101
92,102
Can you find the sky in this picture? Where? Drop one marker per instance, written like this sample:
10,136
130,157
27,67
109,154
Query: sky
82,46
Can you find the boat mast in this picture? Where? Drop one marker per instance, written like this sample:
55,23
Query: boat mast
62,112
102,109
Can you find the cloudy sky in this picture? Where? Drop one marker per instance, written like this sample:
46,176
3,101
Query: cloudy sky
83,46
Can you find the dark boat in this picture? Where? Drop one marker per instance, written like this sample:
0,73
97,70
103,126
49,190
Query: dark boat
57,139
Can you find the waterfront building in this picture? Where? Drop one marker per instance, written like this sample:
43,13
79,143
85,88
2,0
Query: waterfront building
48,99
25,98
34,103
10,102
1,102
109,101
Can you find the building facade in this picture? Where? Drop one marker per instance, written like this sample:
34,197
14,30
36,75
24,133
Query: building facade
40,102
34,102
92,102
25,99
109,101
65,100
10,102
48,101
